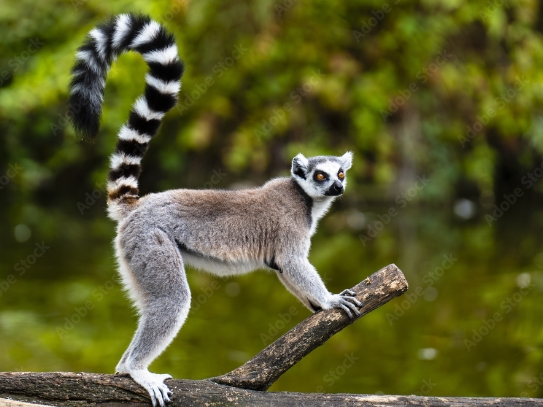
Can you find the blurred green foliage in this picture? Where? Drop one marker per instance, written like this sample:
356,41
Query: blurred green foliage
444,90
400,84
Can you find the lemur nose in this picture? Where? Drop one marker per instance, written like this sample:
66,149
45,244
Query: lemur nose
338,187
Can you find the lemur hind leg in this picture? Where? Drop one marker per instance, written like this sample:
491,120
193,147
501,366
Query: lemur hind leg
157,276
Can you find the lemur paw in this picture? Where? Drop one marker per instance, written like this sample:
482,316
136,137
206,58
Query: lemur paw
346,301
154,384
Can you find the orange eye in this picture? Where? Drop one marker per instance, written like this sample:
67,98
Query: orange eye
341,175
320,177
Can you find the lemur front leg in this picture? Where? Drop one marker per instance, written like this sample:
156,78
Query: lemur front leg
297,293
301,278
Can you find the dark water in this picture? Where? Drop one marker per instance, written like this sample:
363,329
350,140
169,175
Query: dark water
470,325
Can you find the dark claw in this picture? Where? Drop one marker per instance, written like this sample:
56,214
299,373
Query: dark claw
347,310
350,295
348,292
356,302
351,306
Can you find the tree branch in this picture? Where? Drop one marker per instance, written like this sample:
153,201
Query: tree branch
260,372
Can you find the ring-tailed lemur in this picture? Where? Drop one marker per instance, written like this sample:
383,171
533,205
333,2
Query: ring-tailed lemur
223,232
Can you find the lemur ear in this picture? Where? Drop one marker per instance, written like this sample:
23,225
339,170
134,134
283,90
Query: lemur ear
346,160
299,166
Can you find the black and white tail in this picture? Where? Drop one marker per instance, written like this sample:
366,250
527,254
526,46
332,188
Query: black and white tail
125,32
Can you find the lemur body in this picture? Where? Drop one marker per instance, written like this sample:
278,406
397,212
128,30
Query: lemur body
222,232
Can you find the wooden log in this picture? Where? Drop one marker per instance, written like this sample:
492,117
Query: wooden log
78,389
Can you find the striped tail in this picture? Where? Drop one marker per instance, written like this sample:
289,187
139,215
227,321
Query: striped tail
125,32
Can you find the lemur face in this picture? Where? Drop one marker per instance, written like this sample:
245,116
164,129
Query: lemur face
323,175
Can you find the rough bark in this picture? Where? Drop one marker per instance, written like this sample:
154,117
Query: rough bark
78,389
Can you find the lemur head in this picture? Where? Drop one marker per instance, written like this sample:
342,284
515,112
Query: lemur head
322,176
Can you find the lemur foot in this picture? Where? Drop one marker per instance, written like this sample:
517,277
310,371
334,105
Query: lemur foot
154,384
346,301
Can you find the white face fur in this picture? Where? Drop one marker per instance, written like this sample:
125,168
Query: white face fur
322,176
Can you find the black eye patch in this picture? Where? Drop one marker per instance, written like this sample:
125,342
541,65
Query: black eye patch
320,176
